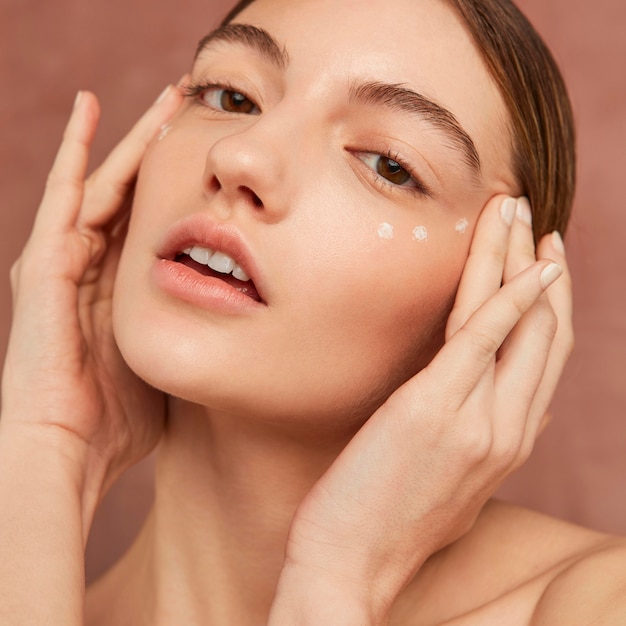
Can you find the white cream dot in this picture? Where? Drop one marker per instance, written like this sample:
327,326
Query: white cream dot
165,129
420,233
461,226
385,231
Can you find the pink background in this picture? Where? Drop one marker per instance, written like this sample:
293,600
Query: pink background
127,50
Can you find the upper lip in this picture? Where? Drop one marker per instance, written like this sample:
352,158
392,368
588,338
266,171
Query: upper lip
198,230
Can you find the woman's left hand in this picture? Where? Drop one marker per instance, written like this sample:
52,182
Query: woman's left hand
417,474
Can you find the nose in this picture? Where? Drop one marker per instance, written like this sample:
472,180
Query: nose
245,171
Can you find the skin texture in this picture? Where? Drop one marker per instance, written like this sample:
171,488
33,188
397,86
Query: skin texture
284,494
337,295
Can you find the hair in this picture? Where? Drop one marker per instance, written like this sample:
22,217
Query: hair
541,120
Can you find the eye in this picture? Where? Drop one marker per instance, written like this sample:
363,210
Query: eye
220,97
390,169
229,101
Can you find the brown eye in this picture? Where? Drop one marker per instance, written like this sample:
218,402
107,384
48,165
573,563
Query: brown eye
228,101
235,102
392,171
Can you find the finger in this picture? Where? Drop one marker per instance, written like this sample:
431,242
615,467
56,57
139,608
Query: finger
560,297
521,250
110,185
520,255
522,365
560,293
64,188
470,352
482,275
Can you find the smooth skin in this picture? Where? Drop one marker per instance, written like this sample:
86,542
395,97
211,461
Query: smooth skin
394,531
61,451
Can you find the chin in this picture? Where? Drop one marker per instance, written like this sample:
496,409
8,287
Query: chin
218,366
329,401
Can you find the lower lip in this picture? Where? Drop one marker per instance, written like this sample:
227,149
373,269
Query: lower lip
205,292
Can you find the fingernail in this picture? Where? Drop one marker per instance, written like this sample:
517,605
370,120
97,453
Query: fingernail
162,95
79,95
557,242
523,212
550,274
507,210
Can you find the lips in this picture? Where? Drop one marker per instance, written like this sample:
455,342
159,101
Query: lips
203,262
218,265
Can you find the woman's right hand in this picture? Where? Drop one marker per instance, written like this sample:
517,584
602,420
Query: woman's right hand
64,381
417,474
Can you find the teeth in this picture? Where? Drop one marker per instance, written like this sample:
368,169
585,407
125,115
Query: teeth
222,263
239,274
217,261
200,255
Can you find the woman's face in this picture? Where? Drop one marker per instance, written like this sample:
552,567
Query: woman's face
342,156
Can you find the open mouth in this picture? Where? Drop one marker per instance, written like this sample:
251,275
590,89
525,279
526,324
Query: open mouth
218,265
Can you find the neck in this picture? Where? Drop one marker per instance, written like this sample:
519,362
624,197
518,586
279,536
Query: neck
227,489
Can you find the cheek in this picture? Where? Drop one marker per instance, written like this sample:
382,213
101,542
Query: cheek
376,314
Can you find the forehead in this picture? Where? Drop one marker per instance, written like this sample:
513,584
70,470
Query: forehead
422,44
413,38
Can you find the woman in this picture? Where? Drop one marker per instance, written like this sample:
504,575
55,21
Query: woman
301,219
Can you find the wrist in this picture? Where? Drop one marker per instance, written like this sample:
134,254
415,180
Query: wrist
306,597
44,519
37,456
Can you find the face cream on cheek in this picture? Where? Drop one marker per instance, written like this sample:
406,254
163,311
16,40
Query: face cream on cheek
165,129
461,226
420,233
385,231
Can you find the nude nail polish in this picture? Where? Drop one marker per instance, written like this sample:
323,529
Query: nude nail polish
550,274
557,242
507,210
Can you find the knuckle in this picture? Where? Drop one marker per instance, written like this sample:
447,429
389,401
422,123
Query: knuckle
97,186
506,451
491,248
455,319
545,319
477,445
57,181
520,304
484,342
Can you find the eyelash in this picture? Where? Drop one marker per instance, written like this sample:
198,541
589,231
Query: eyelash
419,189
195,90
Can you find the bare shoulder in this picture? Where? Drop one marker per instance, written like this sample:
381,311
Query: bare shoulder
520,544
592,590
522,568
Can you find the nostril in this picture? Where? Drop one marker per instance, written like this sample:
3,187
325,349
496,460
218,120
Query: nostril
215,185
255,199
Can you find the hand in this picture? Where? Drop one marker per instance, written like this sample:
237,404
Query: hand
64,376
417,474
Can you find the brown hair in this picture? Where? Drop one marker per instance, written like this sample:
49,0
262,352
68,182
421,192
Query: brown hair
542,125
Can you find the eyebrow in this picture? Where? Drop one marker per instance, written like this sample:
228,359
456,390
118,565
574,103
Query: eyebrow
396,97
256,38
401,98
